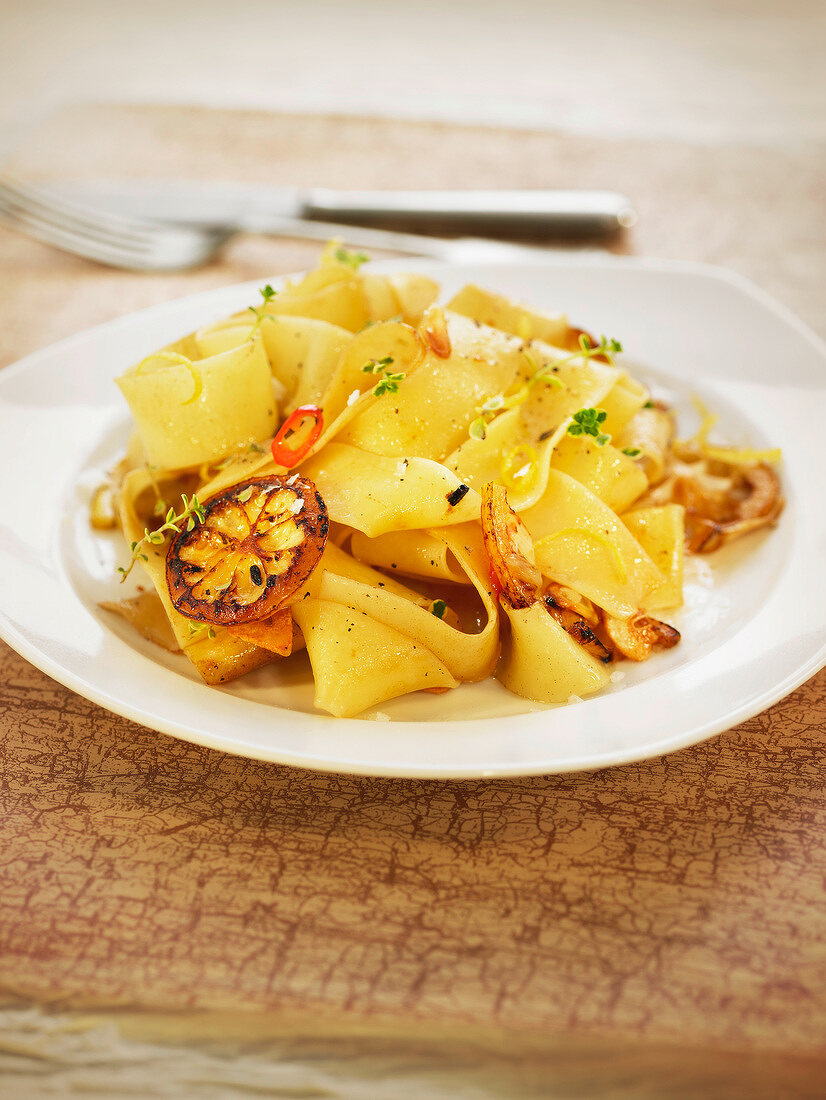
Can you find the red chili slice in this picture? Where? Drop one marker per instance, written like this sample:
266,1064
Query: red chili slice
287,456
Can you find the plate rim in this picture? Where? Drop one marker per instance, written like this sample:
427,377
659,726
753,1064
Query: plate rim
596,762
754,704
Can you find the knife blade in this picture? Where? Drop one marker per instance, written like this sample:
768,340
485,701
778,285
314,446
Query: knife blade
545,213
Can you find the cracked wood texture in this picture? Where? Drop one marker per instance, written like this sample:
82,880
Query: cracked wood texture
674,902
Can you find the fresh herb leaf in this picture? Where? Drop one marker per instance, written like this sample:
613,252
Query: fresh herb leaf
493,404
192,512
632,452
439,608
540,374
390,379
387,385
377,366
478,429
200,629
267,294
351,259
607,346
587,422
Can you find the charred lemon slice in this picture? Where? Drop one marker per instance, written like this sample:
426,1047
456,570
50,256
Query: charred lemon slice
257,545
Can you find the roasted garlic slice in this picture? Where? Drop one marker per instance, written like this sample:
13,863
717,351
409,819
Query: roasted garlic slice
257,545
570,609
750,500
636,637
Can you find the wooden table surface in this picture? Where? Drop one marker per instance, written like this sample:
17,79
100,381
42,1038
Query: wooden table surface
676,905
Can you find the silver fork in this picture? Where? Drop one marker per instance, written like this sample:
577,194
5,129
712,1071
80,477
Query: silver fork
138,244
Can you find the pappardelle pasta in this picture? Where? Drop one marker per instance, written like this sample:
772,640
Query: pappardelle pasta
418,496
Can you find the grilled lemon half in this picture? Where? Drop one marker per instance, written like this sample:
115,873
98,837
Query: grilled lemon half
257,545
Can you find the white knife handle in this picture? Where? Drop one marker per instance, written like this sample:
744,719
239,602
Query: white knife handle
551,213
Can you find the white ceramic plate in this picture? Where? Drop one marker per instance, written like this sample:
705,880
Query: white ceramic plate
754,626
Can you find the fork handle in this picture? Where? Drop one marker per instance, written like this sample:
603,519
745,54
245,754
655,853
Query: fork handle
546,213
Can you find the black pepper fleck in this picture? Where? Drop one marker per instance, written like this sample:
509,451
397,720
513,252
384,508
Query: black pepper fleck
457,494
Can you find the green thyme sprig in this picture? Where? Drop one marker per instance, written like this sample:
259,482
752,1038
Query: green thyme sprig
200,630
351,259
390,379
607,348
589,422
499,403
487,410
191,513
267,294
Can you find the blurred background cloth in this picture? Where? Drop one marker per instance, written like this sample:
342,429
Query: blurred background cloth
757,211
698,70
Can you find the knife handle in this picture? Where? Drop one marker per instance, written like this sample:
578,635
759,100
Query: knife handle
536,213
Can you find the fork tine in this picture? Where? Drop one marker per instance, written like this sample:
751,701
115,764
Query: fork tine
67,239
109,239
52,207
70,241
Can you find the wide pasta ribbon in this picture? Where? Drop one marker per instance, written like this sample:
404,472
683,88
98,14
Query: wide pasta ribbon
581,543
660,531
375,494
189,412
356,625
527,434
358,661
430,414
303,352
540,661
412,553
468,656
609,474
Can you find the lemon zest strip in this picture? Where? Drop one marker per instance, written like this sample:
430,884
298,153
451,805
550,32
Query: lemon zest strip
522,457
176,359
